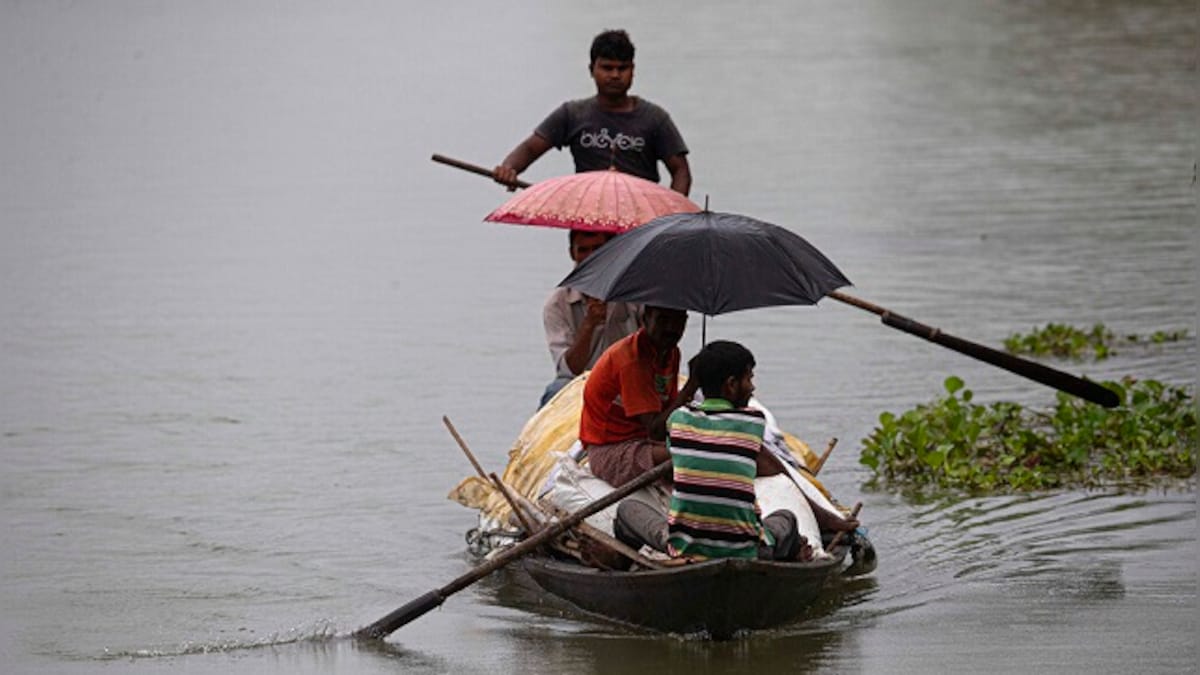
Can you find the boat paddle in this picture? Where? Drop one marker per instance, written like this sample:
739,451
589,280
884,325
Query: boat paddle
1077,386
472,168
433,599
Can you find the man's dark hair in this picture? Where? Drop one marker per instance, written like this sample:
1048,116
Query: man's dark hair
571,234
655,309
612,44
717,362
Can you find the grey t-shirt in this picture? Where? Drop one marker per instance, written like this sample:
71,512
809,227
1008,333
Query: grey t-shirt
632,141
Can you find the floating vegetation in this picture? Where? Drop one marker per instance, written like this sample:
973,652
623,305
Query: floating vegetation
955,444
1061,340
1160,336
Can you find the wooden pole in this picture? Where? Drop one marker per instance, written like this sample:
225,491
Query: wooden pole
495,479
1077,386
824,456
519,504
471,168
511,497
463,445
607,540
420,606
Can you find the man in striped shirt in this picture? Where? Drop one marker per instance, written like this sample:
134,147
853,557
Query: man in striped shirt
715,449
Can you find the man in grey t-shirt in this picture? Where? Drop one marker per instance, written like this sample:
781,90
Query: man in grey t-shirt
610,129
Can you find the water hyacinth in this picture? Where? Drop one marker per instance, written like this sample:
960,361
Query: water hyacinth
953,443
1063,341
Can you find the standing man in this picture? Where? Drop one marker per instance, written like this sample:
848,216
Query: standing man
632,390
578,328
610,129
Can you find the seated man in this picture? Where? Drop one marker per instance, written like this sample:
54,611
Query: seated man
578,328
715,447
628,396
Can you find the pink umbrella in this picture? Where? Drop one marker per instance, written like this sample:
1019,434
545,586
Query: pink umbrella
595,201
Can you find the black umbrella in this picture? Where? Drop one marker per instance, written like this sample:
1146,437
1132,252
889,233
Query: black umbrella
714,263
707,262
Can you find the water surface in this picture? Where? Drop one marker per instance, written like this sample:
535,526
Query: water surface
237,298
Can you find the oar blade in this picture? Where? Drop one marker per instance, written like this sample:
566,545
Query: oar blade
1076,386
401,616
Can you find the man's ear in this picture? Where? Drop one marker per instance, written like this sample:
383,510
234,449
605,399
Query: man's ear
727,387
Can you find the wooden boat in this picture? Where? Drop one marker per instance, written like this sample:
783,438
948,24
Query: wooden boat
717,598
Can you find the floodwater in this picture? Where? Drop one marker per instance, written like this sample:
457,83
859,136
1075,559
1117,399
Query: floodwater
236,298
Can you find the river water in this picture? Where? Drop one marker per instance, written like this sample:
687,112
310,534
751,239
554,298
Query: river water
236,298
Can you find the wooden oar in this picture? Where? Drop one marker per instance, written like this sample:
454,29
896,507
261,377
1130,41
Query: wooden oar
824,456
473,168
1077,386
418,607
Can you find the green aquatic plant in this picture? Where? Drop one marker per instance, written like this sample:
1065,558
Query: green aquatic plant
1160,336
954,443
1063,341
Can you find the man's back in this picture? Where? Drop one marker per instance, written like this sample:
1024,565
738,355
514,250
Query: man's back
714,449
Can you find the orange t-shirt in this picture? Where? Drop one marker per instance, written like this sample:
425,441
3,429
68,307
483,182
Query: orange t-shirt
623,384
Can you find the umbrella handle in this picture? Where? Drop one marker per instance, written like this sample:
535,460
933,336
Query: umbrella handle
470,168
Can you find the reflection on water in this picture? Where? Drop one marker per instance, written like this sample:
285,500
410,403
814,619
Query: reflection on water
598,653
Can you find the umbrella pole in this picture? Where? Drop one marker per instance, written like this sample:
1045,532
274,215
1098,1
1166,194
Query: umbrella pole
1077,386
703,330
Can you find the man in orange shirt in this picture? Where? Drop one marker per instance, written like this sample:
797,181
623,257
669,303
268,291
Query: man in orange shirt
628,396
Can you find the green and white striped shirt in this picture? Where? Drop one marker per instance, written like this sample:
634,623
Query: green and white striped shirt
714,449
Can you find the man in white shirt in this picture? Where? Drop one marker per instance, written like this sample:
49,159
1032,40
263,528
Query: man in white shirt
579,328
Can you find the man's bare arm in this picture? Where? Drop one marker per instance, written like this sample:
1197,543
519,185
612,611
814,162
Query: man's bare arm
681,174
526,153
656,423
767,464
577,355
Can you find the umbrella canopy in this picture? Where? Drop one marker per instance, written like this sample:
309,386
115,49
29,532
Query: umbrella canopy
708,262
596,201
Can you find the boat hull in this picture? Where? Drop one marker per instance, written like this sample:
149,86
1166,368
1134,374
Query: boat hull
717,597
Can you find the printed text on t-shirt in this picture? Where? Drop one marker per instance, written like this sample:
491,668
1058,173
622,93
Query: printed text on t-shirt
603,140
